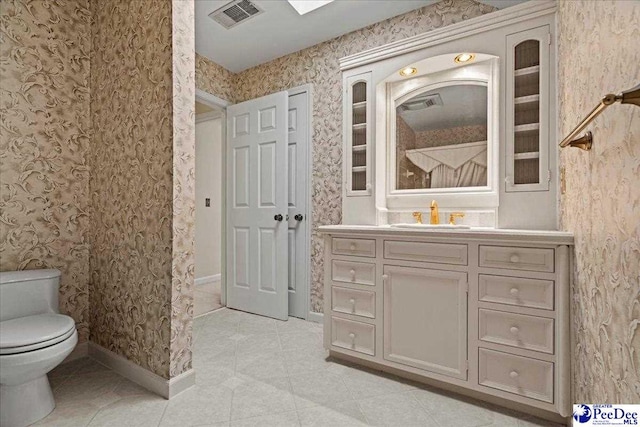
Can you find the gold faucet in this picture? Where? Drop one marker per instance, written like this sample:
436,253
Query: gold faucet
418,217
435,217
453,216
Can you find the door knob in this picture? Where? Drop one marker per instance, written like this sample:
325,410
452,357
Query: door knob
278,217
298,217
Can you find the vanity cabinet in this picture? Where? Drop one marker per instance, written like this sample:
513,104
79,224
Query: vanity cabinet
485,311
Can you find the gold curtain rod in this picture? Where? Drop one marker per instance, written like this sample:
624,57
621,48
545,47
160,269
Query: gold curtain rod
631,96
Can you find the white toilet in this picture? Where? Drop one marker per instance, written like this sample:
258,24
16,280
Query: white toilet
34,339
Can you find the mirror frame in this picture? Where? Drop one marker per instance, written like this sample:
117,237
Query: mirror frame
483,73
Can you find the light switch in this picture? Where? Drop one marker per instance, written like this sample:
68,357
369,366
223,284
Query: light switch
207,202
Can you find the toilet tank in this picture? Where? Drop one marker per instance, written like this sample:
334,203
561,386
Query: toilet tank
28,292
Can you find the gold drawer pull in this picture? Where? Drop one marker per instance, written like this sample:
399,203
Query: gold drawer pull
514,291
353,275
352,247
514,258
513,374
514,330
353,304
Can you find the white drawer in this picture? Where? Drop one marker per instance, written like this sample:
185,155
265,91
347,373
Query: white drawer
532,293
516,330
514,258
355,247
439,253
353,301
353,272
516,374
352,335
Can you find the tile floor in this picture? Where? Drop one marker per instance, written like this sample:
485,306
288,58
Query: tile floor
254,371
206,298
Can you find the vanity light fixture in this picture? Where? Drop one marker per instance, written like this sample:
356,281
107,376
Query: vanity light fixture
464,57
408,71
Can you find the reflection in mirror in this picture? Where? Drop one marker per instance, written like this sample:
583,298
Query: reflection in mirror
441,138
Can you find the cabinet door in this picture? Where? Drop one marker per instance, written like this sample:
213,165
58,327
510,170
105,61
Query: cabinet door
425,319
527,110
358,135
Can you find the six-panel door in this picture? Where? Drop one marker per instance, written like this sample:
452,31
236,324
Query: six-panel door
425,319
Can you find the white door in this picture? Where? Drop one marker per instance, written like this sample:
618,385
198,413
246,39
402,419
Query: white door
298,222
257,206
425,319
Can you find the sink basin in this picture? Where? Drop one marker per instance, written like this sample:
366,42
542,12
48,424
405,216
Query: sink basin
432,226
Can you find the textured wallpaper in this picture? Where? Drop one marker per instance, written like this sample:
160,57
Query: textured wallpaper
44,139
215,79
184,210
319,65
131,180
602,201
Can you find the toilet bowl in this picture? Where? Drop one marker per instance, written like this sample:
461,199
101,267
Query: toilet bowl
34,339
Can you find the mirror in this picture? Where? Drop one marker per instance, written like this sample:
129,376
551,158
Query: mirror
441,136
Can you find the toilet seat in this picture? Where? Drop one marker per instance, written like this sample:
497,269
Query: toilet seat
24,334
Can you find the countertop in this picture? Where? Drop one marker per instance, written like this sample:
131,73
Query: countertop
473,233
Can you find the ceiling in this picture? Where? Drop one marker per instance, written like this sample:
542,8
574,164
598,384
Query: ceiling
280,30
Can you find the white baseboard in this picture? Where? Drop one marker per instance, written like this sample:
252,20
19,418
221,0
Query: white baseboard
315,317
207,279
81,350
147,379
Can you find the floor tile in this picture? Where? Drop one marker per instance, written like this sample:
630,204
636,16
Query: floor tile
364,383
258,343
138,411
197,406
285,419
301,340
87,388
75,415
265,397
261,365
341,414
318,388
399,409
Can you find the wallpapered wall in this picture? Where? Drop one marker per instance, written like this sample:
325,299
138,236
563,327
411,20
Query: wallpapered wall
141,191
319,65
602,199
184,190
44,139
215,79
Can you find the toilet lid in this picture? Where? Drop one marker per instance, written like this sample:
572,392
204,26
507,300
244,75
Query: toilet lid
34,332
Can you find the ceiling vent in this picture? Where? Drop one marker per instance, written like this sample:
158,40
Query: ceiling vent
422,102
233,13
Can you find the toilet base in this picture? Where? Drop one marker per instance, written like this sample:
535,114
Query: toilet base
26,403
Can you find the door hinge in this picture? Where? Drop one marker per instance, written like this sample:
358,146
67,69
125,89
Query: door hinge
549,38
548,176
467,365
467,290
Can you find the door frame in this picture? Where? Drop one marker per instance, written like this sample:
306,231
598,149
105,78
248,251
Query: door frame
220,104
213,100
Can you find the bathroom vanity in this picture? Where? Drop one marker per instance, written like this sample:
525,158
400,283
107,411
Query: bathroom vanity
485,310
463,115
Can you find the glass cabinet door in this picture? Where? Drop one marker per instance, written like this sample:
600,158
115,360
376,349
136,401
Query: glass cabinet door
527,111
358,135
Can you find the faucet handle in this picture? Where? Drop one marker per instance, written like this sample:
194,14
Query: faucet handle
453,216
418,217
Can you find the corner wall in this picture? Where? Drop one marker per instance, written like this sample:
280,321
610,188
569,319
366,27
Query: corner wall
142,103
598,54
45,131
